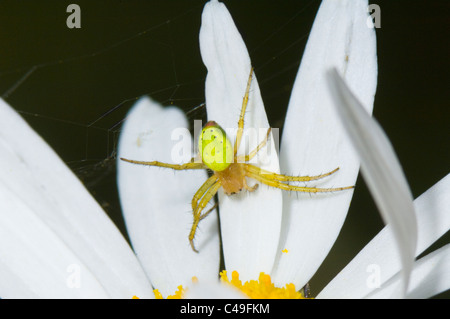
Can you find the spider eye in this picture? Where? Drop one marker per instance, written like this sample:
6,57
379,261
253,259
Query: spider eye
215,147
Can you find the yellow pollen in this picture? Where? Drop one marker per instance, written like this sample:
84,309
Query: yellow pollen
285,251
135,297
178,294
157,294
263,288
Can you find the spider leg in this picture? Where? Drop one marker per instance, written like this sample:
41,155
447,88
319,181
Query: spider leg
196,159
202,190
250,189
285,178
278,184
190,165
198,210
246,158
209,211
241,116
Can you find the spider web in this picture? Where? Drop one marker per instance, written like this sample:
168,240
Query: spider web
75,86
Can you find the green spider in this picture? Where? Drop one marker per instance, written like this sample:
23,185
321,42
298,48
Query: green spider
230,170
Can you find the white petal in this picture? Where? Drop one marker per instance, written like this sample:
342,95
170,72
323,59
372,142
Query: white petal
381,170
430,276
34,261
156,201
433,220
314,141
51,228
250,222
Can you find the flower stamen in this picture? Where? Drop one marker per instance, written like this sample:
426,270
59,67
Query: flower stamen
177,295
263,288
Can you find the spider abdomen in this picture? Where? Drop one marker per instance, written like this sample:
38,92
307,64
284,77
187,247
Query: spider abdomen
215,148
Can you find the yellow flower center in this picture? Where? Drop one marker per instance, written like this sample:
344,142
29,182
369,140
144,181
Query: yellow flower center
263,288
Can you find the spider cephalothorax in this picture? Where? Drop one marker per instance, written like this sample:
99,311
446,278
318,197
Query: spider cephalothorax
231,170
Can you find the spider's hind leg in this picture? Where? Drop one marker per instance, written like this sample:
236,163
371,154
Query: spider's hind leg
199,202
276,180
252,169
202,190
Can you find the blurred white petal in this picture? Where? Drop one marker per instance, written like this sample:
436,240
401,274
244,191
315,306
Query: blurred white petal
430,276
50,226
381,171
432,210
250,222
156,202
34,261
314,140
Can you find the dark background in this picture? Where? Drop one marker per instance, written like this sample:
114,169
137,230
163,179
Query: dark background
74,86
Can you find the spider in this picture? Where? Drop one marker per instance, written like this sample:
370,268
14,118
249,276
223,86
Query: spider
230,170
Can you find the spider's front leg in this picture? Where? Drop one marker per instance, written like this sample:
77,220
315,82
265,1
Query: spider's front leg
246,158
240,130
190,165
199,202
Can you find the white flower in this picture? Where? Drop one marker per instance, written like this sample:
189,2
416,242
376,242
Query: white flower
257,227
57,242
